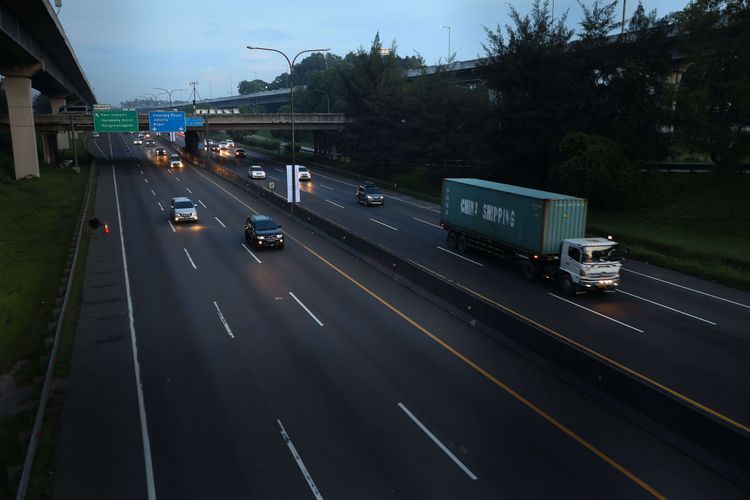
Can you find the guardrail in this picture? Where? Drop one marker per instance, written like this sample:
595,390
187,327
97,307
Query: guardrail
716,443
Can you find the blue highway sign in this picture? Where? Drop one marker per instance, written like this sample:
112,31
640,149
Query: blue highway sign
166,121
194,121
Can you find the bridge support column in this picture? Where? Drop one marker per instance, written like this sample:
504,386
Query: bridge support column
60,137
17,86
192,139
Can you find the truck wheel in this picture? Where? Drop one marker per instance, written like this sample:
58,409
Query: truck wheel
452,239
529,270
566,284
461,243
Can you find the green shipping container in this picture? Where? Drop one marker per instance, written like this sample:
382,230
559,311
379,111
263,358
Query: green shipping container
525,219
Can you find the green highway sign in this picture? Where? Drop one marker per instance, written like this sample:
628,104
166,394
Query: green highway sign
115,120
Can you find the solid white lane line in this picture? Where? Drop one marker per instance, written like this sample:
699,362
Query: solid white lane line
145,180
332,203
152,192
687,288
217,220
190,259
223,321
383,224
300,463
162,209
459,255
437,442
667,307
428,223
251,253
595,312
150,485
306,309
327,187
172,226
188,190
202,204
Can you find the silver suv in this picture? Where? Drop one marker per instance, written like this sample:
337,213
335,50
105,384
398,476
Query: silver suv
182,209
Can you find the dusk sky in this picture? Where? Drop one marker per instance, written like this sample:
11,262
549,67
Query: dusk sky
127,48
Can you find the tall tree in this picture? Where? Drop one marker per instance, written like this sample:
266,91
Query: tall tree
713,96
534,89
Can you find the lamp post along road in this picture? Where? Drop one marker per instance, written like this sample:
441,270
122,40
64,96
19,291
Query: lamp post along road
291,97
169,93
328,101
449,40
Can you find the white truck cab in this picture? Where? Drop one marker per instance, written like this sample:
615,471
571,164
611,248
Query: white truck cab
589,264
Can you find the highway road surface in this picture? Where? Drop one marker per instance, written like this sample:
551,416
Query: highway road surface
305,373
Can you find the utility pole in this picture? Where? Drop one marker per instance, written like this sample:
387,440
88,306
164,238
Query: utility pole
622,31
194,83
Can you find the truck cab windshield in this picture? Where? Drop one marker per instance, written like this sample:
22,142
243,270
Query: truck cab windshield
609,253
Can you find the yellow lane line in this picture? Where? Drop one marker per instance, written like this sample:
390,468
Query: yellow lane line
611,361
549,418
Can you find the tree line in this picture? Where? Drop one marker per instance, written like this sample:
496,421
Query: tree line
578,110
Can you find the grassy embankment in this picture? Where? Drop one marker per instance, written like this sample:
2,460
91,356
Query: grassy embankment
694,223
35,234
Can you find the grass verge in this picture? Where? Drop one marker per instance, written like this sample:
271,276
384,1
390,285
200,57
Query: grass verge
40,216
42,473
693,223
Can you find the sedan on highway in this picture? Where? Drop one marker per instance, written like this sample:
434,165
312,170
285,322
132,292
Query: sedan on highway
138,141
240,153
216,148
160,152
304,173
369,194
256,172
182,209
175,161
150,143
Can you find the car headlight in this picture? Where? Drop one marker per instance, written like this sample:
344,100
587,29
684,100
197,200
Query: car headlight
261,237
368,197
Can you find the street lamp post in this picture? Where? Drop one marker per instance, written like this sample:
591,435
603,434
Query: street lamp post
291,92
328,101
449,40
169,93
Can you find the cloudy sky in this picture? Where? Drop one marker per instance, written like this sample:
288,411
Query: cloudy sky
127,48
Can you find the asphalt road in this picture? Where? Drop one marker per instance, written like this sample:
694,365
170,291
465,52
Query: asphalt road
303,372
689,335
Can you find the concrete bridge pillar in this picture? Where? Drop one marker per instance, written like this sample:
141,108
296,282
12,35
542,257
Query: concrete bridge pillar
192,141
17,86
49,141
61,137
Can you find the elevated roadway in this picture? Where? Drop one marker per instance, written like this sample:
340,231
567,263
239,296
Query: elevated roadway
278,121
35,53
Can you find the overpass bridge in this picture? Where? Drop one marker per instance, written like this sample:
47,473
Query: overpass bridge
278,97
35,53
50,123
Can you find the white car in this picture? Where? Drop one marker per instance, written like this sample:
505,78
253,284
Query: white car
174,160
138,140
230,143
182,209
304,174
256,172
224,145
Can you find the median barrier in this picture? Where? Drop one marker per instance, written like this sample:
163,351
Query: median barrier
711,440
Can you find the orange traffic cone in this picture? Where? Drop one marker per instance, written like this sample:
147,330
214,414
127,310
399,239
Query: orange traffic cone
106,228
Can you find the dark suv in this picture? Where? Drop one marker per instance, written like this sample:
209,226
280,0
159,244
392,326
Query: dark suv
262,231
369,194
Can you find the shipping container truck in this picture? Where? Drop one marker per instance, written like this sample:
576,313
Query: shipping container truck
544,233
